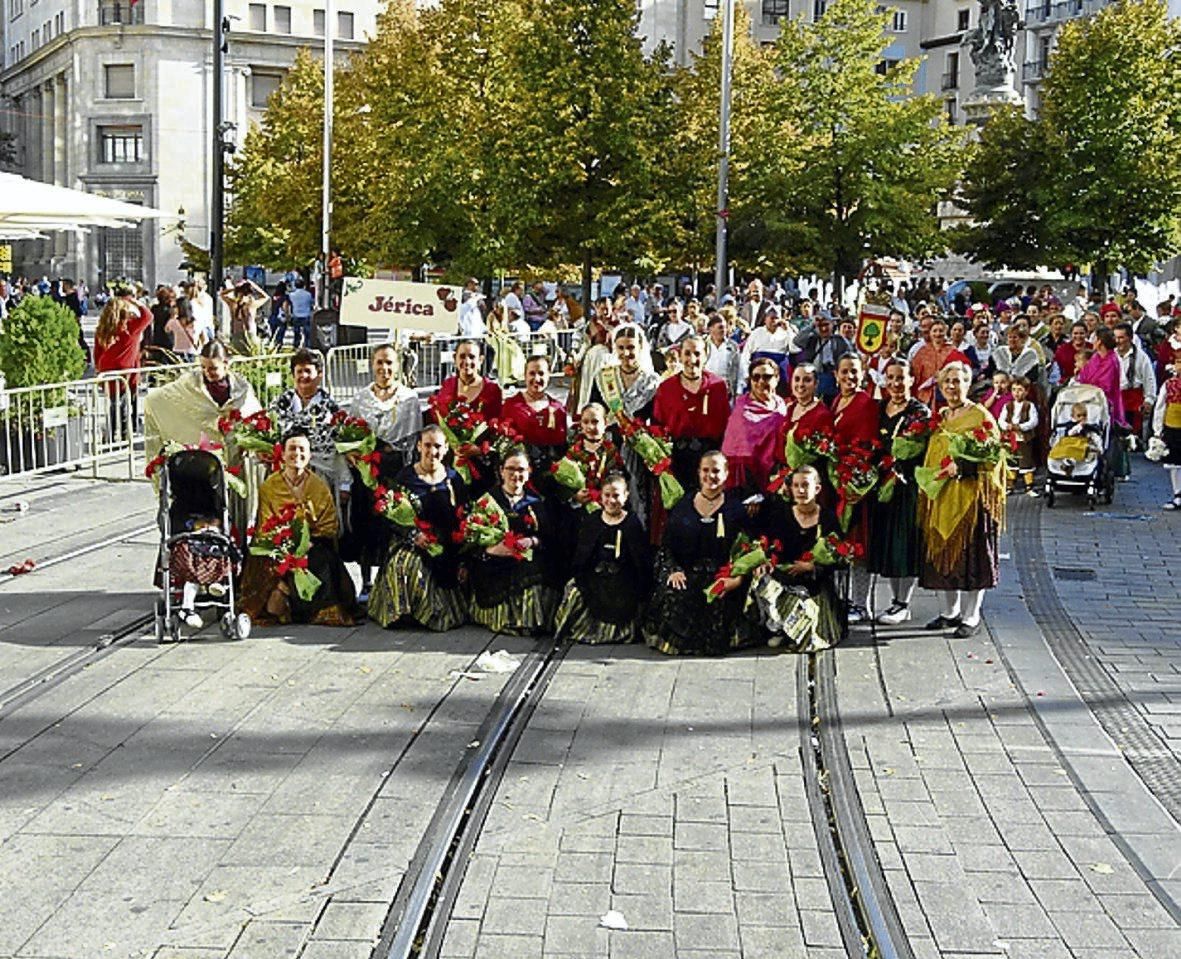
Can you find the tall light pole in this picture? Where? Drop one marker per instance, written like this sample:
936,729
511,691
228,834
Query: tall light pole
326,177
217,195
723,213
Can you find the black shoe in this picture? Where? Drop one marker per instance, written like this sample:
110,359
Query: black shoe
963,631
943,622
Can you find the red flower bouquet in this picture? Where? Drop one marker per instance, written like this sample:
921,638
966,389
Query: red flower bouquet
401,508
745,557
911,442
286,538
256,433
505,438
831,550
233,474
352,434
652,445
462,425
852,476
807,446
485,524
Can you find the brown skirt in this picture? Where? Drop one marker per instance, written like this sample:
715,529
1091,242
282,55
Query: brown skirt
975,568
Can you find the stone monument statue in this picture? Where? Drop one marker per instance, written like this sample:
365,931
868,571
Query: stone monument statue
992,46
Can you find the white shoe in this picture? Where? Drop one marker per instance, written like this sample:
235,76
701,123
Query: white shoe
1034,493
857,614
191,618
217,589
897,613
1174,503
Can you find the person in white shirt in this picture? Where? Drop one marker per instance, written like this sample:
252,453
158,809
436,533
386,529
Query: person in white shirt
634,304
471,319
511,303
773,339
722,357
1137,378
202,306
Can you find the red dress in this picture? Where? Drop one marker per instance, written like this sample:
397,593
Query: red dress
856,424
546,427
488,401
818,418
696,422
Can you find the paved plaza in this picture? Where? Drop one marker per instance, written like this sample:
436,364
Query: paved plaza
259,799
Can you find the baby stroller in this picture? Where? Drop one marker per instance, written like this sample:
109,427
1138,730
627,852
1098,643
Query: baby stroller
1079,463
194,545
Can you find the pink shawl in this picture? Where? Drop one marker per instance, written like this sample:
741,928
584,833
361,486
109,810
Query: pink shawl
1103,372
751,435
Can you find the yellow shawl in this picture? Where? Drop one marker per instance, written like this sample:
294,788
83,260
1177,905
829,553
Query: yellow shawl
949,520
317,505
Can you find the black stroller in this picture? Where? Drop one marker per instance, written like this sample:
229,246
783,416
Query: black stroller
195,548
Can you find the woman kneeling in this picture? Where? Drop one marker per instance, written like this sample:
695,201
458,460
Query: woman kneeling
797,601
412,583
509,594
270,597
696,545
612,573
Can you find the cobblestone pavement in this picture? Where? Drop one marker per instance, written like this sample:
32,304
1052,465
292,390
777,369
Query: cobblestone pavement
1129,615
669,790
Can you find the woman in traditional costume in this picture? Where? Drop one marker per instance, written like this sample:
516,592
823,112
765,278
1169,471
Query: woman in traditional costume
752,433
805,410
855,427
693,408
307,406
539,418
413,584
962,522
697,542
478,393
187,410
391,410
797,601
509,592
269,598
896,540
1166,427
626,386
612,574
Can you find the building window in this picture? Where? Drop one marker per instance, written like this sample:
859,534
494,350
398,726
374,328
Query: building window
899,23
951,76
120,11
885,66
773,11
121,144
15,8
35,40
710,9
818,9
262,85
119,81
256,17
963,19
949,106
59,24
318,22
282,17
344,26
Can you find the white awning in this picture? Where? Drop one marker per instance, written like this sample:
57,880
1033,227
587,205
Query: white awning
29,205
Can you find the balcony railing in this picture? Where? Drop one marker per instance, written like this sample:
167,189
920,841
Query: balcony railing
949,81
1052,11
1035,70
120,12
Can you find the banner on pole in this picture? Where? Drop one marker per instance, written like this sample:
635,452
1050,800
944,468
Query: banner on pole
400,305
871,328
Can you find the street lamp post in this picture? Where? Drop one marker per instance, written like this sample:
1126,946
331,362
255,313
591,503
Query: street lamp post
723,212
217,197
326,175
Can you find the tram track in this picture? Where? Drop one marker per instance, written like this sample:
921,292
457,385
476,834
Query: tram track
865,911
416,923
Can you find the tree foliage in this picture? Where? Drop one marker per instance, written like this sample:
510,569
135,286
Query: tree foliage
1098,173
875,159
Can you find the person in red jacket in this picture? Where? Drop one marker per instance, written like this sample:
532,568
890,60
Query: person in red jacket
121,326
693,407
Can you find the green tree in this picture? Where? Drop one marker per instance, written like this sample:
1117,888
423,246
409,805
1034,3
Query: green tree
1111,116
576,180
685,219
1006,189
274,181
871,160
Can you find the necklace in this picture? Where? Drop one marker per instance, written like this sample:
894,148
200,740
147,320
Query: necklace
711,499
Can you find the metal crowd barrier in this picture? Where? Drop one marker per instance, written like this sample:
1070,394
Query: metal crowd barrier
67,425
84,423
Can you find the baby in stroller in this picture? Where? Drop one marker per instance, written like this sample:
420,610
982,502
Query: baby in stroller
1078,461
196,553
1080,425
